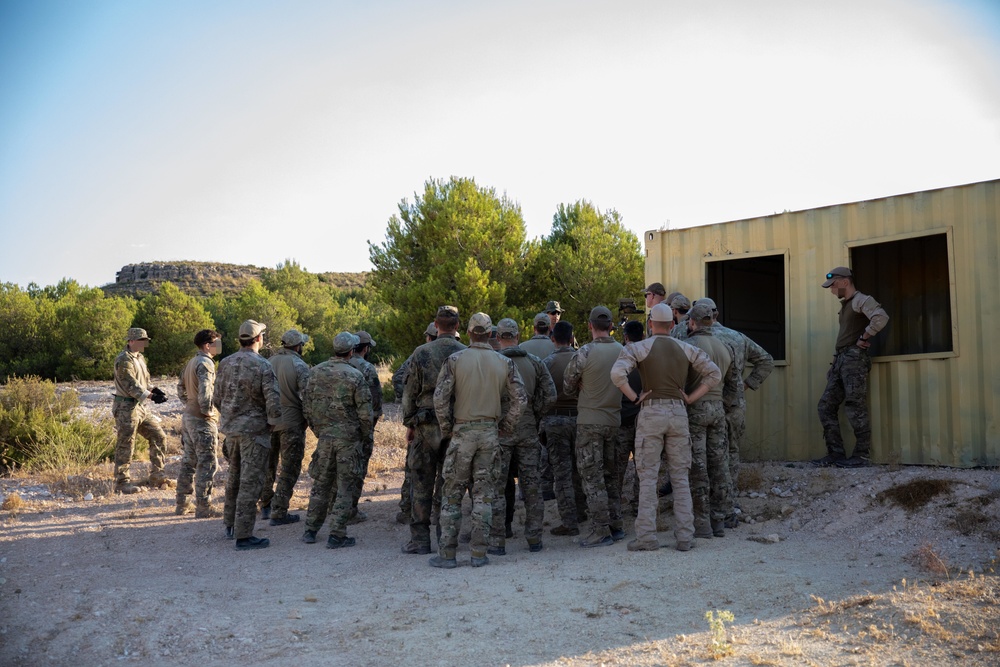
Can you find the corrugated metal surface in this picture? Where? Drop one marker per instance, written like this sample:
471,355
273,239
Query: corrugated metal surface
926,409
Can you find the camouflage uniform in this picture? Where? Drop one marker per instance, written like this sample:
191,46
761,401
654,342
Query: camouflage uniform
424,453
559,430
132,385
523,448
246,396
399,378
625,445
398,386
370,373
288,441
199,430
492,384
597,422
338,404
711,487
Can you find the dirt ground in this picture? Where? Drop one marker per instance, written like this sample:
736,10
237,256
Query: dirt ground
828,569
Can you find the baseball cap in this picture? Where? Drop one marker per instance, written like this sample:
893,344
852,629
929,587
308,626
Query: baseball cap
838,272
600,314
251,329
507,326
431,330
706,301
451,311
345,341
293,337
135,333
661,313
680,302
480,323
365,338
553,307
700,313
541,320
655,288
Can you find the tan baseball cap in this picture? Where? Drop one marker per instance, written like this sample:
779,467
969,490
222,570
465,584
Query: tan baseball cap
365,338
135,333
655,288
251,329
480,323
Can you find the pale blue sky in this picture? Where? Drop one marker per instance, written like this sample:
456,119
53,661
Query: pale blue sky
250,132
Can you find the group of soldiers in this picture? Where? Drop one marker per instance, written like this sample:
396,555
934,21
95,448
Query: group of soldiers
476,418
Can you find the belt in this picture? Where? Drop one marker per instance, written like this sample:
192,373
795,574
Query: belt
661,401
563,412
475,421
848,348
127,399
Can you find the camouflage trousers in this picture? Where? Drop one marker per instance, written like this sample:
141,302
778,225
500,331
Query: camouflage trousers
736,428
710,482
423,461
284,464
471,461
560,435
522,451
199,438
335,469
663,424
132,418
247,460
366,455
847,383
597,463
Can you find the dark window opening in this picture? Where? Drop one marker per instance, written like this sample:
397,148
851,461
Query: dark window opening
750,294
910,278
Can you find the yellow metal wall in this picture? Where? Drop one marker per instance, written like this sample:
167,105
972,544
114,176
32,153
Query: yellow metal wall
926,409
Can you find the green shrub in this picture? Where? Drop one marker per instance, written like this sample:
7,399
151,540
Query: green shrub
38,429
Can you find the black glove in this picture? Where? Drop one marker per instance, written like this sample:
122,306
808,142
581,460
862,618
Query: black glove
157,396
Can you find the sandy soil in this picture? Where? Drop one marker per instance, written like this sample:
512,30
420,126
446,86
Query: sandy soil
817,578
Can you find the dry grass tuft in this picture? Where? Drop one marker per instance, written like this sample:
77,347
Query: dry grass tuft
389,453
750,478
927,558
914,495
13,503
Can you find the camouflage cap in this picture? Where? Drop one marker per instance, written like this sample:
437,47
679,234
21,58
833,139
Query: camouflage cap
480,323
508,327
600,314
553,307
135,333
344,342
701,313
293,337
838,272
447,310
661,313
251,329
365,338
541,320
431,330
680,302
707,302
655,288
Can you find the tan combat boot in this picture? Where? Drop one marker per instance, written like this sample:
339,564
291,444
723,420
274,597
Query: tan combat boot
184,505
206,511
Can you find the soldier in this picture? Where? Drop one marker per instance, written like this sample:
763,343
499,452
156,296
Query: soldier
398,384
861,317
288,441
540,344
655,293
478,393
559,430
338,404
554,312
711,487
664,364
423,434
246,396
746,352
132,416
199,427
599,406
633,333
360,361
680,305
522,445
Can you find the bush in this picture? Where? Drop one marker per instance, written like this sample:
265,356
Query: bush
38,429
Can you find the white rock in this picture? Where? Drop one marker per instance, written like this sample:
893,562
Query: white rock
773,538
89,496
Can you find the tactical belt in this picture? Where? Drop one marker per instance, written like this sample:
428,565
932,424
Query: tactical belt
475,421
127,399
661,401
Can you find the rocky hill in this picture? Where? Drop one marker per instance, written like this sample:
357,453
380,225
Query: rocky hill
203,278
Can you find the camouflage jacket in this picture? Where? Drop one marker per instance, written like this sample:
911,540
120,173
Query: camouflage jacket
196,386
538,384
337,402
131,375
246,394
588,377
368,370
291,371
506,399
399,378
425,365
745,351
730,372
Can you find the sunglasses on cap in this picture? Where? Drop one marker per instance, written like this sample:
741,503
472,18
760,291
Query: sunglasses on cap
831,276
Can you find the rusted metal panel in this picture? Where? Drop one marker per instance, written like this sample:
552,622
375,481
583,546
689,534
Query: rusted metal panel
926,408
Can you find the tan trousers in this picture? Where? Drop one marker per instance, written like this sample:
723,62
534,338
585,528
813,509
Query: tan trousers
663,424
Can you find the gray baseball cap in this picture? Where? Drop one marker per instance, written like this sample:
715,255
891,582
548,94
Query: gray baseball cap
293,337
344,342
508,326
